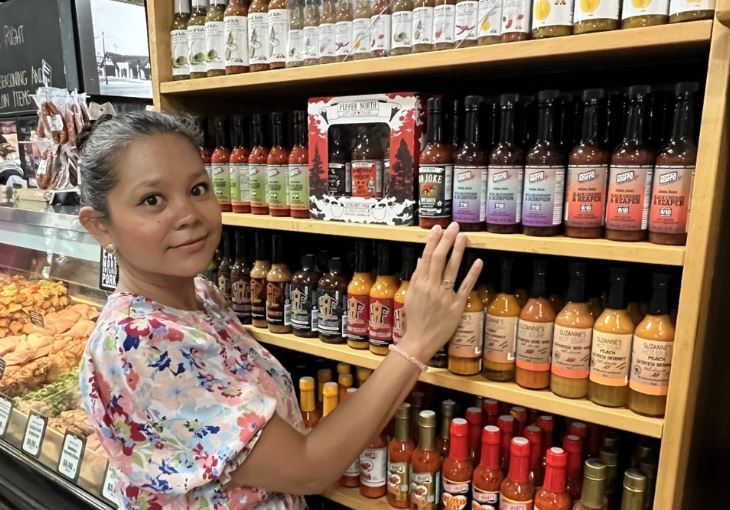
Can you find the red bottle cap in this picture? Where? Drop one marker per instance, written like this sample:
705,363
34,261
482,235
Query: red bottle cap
459,427
520,447
490,407
520,414
572,444
534,435
579,429
491,435
556,457
474,416
594,439
506,424
349,392
545,422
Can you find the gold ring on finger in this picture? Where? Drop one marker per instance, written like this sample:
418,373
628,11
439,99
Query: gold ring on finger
447,284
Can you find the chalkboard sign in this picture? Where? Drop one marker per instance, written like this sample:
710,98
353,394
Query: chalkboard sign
36,48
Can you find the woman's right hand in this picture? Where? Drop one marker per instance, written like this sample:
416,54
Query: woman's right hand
433,308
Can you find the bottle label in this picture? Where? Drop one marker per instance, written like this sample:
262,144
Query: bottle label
671,199
629,189
402,29
572,352
180,52
610,358
399,321
236,39
552,13
221,182
257,184
337,179
651,361
443,23
467,20
504,194
198,51
353,469
500,335
632,8
510,504
361,35
302,305
679,6
380,38
373,467
241,296
343,38
586,195
299,187
209,170
258,298
224,286
258,37
311,43
542,201
424,490
516,16
455,495
423,25
277,185
380,330
490,18
278,33
586,10
295,46
484,500
327,40
215,45
534,342
331,307
234,177
367,178
358,316
470,194
468,339
278,303
399,480
435,189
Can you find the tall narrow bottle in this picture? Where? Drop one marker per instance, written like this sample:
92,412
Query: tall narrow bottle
258,35
238,166
358,298
351,477
380,330
295,41
553,494
399,300
277,169
466,346
343,30
474,420
241,279
500,330
214,39
235,29
330,396
594,486
298,193
488,475
426,465
422,25
457,469
278,33
179,48
374,468
534,435
436,171
470,171
324,375
219,165
224,267
448,409
261,268
517,489
257,166
367,164
196,39
573,445
507,425
634,490
331,296
278,289
307,403
400,451
304,298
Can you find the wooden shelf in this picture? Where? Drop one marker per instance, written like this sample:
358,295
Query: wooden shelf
622,419
352,498
587,248
657,42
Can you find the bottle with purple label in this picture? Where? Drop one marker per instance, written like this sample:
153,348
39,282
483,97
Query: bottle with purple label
470,172
506,173
542,198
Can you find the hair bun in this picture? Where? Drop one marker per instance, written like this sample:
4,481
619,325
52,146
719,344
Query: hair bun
88,130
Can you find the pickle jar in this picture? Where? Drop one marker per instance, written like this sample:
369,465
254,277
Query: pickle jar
644,13
552,18
690,10
595,16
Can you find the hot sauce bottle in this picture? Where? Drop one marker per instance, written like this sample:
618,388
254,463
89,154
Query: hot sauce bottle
573,445
490,411
224,267
238,165
506,173
196,39
219,165
329,398
689,10
235,29
278,18
594,485
519,413
214,41
367,164
534,435
298,192
311,32
500,330
374,468
506,424
241,280
399,300
400,451
331,295
474,419
324,375
179,49
436,171
674,172
303,298
457,469
351,477
572,339
205,150
516,20
466,25
651,359
310,414
444,16
361,29
470,171
547,426
422,26
358,299
295,41
257,166
448,409
517,491
277,169
380,330
327,27
339,173
416,400
542,199
258,35
380,28
343,30
465,347
630,177
261,268
488,475
552,495
426,465
344,382
402,33
535,334
611,349
278,291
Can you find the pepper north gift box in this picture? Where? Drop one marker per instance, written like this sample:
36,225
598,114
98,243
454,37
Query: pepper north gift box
363,157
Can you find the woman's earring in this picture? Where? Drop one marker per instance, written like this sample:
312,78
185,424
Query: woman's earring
110,249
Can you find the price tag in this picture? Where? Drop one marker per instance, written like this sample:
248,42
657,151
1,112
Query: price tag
108,271
72,453
109,489
35,430
6,411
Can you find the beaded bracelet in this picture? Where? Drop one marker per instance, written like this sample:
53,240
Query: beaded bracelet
411,359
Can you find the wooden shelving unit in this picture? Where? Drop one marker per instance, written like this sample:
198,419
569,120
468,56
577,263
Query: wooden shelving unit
352,498
702,44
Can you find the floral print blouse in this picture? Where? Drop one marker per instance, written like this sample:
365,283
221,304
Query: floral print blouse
179,399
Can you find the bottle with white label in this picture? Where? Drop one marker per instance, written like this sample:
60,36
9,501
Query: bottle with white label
235,29
500,328
258,35
595,16
311,32
327,32
490,21
179,48
444,17
644,13
466,24
690,10
516,16
611,347
295,39
343,30
422,26
361,30
196,39
402,31
552,18
466,345
278,32
214,39
380,28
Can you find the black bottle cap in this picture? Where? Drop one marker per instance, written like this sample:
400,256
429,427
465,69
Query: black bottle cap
335,265
549,95
262,245
577,278
257,119
509,99
362,257
384,265
308,261
539,278
409,262
686,87
589,94
639,90
238,121
277,248
300,116
473,101
617,289
506,286
435,104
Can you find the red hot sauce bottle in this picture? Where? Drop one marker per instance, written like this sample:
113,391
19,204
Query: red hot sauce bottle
277,169
488,475
238,163
552,495
573,445
219,163
436,171
367,164
506,424
517,491
457,470
470,172
257,166
299,169
400,452
426,465
534,436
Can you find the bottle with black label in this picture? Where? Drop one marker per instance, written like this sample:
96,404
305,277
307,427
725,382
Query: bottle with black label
261,268
331,296
224,268
304,298
278,282
436,171
241,279
339,180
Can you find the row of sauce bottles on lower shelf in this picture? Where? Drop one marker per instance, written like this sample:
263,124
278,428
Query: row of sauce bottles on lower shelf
580,342
495,453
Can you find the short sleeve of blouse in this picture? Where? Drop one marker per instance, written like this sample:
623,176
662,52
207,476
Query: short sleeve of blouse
176,409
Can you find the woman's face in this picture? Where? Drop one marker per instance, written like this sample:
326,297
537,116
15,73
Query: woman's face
164,216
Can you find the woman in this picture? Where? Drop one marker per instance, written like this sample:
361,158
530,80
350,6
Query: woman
192,411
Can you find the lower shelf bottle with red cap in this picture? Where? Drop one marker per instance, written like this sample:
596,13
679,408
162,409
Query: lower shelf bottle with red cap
457,470
517,491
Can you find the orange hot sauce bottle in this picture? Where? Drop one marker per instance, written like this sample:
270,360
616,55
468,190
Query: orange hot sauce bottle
517,491
277,172
307,403
457,471
573,445
474,419
400,451
426,465
374,468
330,392
506,424
299,169
351,477
552,495
219,164
399,300
358,299
380,330
240,191
257,167
488,475
534,435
